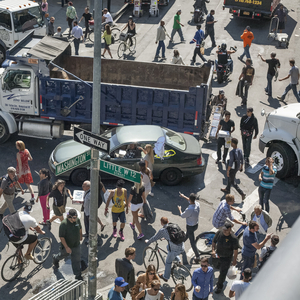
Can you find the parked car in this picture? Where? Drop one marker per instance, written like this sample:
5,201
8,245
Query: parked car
182,154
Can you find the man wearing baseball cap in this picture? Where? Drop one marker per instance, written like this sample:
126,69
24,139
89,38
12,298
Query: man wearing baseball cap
220,100
70,234
115,292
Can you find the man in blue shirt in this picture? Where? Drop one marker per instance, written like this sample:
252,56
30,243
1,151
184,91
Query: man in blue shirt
266,178
235,163
198,39
192,216
251,245
203,278
209,27
78,34
115,293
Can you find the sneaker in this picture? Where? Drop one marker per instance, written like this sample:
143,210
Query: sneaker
151,194
132,226
161,276
115,233
55,262
79,278
140,236
164,57
279,98
217,161
28,256
121,235
32,200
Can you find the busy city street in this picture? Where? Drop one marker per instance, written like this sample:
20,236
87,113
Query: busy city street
164,199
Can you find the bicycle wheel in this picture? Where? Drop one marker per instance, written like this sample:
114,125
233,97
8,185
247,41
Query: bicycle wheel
132,47
92,36
150,257
11,268
115,32
181,274
204,241
121,50
41,250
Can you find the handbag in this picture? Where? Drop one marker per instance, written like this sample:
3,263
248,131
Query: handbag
246,132
62,209
152,183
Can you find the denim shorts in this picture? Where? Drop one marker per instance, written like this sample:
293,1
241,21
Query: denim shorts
119,216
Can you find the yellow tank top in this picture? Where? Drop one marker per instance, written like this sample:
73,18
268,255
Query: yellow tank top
119,202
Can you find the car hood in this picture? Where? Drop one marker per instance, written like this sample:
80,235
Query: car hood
192,144
69,149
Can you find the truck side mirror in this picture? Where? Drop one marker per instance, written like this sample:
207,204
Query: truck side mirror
263,113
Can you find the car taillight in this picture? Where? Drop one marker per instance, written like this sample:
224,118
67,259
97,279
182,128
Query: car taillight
199,161
234,11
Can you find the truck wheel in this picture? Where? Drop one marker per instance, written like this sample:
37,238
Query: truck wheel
220,77
284,159
4,132
79,176
2,55
171,176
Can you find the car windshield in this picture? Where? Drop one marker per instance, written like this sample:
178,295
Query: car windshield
174,139
27,19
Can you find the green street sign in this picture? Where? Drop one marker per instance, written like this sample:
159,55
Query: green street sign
119,171
72,163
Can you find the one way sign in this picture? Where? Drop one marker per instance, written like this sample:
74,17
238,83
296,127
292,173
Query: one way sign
90,139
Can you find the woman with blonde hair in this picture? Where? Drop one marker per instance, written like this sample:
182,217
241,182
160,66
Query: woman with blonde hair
152,293
23,170
179,293
136,200
177,59
144,281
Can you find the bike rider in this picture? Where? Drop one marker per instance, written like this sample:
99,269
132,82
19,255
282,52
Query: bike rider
131,30
201,4
106,18
29,223
224,57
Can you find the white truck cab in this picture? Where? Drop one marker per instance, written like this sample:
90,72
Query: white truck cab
17,17
282,137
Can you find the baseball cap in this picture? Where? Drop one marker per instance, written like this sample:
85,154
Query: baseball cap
179,10
120,281
248,28
227,225
120,183
28,206
221,92
72,212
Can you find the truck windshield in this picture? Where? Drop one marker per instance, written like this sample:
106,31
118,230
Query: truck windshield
27,19
174,139
17,79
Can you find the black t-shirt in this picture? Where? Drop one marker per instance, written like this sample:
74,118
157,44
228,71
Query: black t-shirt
209,18
225,244
58,197
44,187
248,72
87,17
226,126
137,197
273,64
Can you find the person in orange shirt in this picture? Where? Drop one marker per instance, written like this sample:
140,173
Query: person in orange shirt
247,37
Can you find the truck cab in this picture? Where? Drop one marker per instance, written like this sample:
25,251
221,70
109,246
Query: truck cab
281,136
17,17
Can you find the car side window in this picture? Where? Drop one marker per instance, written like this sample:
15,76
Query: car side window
5,20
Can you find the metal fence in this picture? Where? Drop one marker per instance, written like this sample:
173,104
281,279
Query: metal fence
65,290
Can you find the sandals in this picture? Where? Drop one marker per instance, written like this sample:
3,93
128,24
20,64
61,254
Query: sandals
43,223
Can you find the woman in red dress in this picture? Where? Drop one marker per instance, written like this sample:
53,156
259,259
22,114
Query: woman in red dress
23,170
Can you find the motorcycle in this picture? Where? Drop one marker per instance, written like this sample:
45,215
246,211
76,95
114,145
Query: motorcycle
223,69
200,10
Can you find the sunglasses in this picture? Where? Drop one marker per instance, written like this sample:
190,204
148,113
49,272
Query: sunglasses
74,217
204,266
156,290
151,273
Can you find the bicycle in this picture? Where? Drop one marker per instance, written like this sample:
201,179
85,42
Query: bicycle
179,273
204,239
125,44
115,32
16,263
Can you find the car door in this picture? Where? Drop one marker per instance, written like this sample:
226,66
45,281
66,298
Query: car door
6,30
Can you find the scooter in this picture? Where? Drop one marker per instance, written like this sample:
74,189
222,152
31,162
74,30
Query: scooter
223,70
200,10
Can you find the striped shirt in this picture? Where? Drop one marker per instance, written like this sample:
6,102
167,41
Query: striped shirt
268,179
220,215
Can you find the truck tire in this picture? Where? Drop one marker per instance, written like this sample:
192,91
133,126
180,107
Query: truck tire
4,132
79,176
220,77
2,55
284,159
171,176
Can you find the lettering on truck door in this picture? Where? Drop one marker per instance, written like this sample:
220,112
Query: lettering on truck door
18,90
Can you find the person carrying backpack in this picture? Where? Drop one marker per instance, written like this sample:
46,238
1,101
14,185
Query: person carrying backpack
16,227
267,251
175,237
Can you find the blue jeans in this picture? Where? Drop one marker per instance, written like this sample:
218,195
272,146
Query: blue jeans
76,45
248,263
179,32
288,88
264,196
246,52
196,298
161,45
172,255
268,89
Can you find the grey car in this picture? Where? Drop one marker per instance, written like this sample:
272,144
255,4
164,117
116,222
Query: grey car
182,154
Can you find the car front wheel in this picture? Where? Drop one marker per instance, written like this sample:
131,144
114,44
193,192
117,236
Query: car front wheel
171,176
79,176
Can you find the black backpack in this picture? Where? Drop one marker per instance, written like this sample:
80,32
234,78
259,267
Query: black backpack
177,235
13,227
266,256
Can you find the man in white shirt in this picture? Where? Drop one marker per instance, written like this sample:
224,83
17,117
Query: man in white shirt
29,223
87,202
78,34
106,18
239,286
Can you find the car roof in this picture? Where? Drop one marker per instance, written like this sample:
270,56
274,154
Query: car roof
138,133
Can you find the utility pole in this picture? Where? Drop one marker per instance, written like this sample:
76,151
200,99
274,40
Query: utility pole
88,3
95,162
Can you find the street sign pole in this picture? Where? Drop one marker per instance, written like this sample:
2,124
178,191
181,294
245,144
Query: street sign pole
95,163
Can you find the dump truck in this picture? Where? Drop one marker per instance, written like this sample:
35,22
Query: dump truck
45,90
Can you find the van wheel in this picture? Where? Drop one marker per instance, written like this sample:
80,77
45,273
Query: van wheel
171,176
220,77
4,132
284,159
2,55
79,176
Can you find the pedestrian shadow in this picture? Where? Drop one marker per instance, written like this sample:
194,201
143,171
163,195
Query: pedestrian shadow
207,51
108,248
241,110
273,102
17,289
171,45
